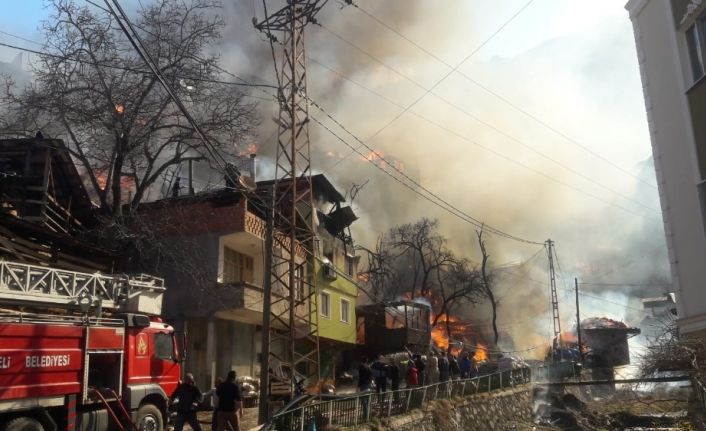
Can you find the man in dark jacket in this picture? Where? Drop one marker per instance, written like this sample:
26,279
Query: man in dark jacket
379,370
187,398
443,368
230,403
454,369
365,376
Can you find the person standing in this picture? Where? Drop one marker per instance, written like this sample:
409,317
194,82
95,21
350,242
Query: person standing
365,379
431,375
454,369
412,375
214,402
443,368
230,404
365,376
187,398
393,373
380,375
421,369
465,366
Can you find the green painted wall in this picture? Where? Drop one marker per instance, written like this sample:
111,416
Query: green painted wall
332,327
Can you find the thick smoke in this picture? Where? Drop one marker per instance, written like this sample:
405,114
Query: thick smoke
585,84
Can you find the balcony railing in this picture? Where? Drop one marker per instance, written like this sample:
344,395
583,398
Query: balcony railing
255,225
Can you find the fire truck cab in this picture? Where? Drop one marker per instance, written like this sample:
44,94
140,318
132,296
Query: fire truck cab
80,370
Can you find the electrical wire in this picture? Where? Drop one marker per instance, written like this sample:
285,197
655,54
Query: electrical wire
450,208
626,284
488,149
478,48
474,221
498,130
504,99
124,68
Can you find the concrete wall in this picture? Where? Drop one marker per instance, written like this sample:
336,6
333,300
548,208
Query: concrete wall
495,411
665,70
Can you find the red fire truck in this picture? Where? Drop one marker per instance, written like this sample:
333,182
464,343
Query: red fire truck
102,360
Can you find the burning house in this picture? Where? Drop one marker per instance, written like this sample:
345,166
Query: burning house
459,335
393,327
45,208
606,342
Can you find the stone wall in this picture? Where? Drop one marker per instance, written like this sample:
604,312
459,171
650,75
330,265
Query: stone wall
501,410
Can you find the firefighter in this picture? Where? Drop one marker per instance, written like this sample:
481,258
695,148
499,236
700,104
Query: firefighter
186,397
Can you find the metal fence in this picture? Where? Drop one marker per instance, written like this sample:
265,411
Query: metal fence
363,407
700,392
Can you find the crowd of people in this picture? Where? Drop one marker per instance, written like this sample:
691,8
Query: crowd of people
226,400
417,371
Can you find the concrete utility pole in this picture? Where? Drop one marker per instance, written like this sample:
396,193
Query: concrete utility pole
555,299
578,316
263,412
292,298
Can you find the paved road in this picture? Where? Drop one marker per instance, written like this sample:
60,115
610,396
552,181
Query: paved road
249,420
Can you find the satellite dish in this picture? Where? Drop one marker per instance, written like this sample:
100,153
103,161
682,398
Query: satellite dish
247,183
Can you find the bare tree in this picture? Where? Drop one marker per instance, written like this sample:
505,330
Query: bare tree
487,282
425,251
94,91
457,282
382,274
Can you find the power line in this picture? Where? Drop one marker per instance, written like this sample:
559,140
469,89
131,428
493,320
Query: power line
504,99
626,284
356,149
446,206
427,91
587,295
125,68
405,109
476,222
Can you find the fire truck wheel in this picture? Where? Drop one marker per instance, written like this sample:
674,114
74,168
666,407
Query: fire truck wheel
149,418
23,424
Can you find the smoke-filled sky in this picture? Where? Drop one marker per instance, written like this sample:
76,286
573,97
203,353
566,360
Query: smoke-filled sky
540,132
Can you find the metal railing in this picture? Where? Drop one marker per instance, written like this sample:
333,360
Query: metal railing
700,392
361,408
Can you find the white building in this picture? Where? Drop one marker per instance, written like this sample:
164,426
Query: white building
671,45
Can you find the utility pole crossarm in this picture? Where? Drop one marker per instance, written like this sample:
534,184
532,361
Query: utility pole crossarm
303,14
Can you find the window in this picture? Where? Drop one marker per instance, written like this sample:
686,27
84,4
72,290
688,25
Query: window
350,266
345,310
325,305
237,267
163,346
695,45
300,283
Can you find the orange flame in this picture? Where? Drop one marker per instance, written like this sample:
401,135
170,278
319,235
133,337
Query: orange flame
459,330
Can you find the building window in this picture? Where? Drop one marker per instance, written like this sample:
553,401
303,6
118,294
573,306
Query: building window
696,45
350,266
300,283
345,311
325,305
237,267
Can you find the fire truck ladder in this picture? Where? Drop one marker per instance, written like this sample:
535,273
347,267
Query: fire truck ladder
111,411
39,285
